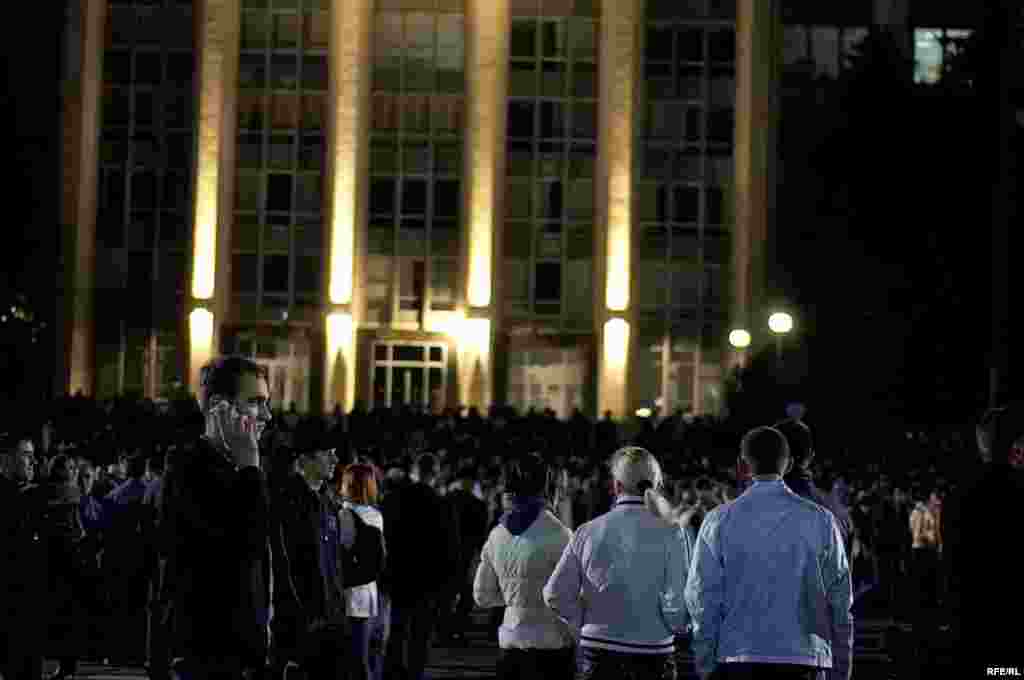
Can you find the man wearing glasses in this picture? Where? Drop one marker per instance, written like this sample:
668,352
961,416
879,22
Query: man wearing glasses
218,528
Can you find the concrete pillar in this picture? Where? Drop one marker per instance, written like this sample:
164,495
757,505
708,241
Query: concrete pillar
82,86
350,65
758,55
487,28
217,44
613,243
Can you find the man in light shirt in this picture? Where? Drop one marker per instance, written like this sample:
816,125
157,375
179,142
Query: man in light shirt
769,589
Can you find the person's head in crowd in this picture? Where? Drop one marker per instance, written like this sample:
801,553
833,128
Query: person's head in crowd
800,442
316,464
63,470
19,462
86,476
424,469
527,476
358,484
1001,436
156,464
766,451
234,397
634,470
135,466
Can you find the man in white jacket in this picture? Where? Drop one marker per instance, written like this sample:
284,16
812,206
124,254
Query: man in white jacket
620,581
519,556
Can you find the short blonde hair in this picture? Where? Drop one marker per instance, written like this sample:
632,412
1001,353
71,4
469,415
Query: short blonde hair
632,465
359,484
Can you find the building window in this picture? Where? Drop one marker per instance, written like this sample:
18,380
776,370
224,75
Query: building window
934,51
279,216
418,96
551,139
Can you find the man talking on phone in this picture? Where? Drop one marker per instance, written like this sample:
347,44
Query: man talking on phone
216,502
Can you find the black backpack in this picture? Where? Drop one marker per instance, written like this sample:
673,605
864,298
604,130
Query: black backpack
363,562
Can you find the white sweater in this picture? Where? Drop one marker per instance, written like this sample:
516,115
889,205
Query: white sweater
512,573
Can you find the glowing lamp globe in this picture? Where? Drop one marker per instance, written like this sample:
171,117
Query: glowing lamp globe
739,338
780,323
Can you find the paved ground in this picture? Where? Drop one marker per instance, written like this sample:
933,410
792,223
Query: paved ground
476,657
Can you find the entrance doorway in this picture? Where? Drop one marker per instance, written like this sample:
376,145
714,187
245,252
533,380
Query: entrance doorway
410,374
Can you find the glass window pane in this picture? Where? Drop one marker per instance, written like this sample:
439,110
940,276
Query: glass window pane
309,193
416,158
287,29
554,39
523,38
447,196
279,192
275,274
148,68
311,152
248,191
722,45
250,150
520,119
314,112
444,276
276,237
252,71
308,275
444,237
548,281
251,110
245,274
281,151
314,72
255,30
284,72
414,197
687,204
447,158
581,200
382,197
316,29
518,200
584,120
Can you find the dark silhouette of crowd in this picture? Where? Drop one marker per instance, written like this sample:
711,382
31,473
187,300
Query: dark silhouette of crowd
133,531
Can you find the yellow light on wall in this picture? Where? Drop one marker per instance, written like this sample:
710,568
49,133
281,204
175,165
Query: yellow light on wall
343,236
475,334
340,383
479,289
200,331
200,325
616,343
204,252
617,293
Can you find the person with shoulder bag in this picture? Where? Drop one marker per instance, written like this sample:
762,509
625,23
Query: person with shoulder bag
362,538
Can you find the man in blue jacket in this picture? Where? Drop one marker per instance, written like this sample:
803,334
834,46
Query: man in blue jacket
769,589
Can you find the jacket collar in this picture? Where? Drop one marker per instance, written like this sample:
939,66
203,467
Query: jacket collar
628,501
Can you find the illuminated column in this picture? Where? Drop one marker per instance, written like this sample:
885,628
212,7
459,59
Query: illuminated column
758,53
82,83
218,29
620,24
487,28
350,64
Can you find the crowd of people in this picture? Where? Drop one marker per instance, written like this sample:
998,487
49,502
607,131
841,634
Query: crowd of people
217,536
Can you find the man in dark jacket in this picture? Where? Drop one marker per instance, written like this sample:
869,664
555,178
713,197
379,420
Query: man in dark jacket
422,536
124,564
17,470
979,529
471,514
799,479
217,513
309,600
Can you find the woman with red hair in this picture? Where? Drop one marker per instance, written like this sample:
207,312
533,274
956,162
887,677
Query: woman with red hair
357,489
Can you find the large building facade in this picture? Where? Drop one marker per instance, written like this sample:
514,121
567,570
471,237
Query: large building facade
541,203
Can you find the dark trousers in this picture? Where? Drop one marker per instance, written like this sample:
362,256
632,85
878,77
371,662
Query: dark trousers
359,648
767,671
412,622
459,603
527,664
158,649
601,664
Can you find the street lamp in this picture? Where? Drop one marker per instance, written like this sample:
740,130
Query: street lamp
739,338
780,323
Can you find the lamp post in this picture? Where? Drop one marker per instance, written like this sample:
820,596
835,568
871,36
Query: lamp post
740,340
780,323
